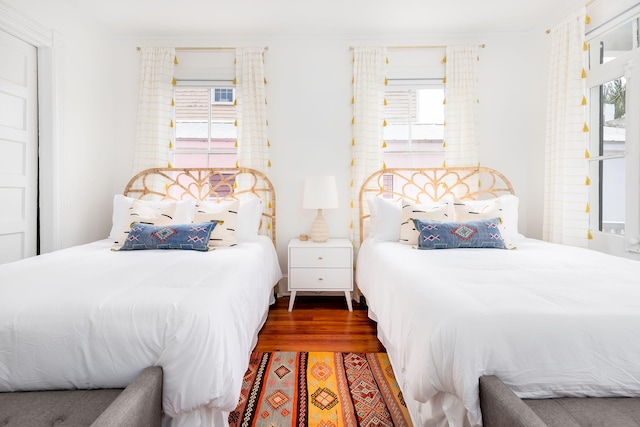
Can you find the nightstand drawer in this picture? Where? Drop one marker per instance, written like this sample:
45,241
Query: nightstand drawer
320,257
320,278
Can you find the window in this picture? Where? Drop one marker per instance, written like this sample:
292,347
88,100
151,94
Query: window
223,95
613,173
204,125
415,126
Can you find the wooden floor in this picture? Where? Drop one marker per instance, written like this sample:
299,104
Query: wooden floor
318,323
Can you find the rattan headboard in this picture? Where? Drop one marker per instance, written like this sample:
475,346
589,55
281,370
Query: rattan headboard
207,184
420,185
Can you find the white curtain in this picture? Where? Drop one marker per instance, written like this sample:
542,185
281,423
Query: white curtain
566,217
154,129
253,144
461,106
369,78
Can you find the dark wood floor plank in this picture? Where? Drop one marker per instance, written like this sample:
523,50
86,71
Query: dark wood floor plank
318,323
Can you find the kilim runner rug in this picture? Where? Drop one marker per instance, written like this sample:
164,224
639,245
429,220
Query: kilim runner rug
320,389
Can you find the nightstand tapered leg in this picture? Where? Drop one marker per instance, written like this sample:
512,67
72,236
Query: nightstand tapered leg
292,298
347,295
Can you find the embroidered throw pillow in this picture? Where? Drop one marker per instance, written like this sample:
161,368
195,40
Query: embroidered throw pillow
193,237
505,207
452,235
226,217
410,211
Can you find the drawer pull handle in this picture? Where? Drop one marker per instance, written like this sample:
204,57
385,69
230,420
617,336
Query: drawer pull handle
320,279
320,257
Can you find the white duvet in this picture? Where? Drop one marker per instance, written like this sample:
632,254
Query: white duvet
549,320
88,317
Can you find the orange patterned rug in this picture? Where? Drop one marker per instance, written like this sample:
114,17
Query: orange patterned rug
322,389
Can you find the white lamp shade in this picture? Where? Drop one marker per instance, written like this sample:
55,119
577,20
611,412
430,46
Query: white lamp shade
320,192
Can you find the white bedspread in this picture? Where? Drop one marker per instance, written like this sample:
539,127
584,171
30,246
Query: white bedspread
549,320
88,317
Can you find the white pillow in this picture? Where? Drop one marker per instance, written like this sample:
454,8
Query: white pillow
248,219
504,207
183,213
224,234
142,212
387,219
426,212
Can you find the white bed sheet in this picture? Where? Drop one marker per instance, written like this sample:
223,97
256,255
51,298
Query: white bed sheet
549,320
87,317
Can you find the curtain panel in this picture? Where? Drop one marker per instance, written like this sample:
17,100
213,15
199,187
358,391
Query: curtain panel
369,78
566,195
154,126
253,144
461,106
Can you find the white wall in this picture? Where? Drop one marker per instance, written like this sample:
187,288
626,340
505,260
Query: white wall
309,94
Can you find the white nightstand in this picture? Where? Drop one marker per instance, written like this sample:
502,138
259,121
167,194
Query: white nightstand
319,267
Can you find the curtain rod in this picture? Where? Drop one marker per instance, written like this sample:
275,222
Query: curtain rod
587,4
420,47
205,48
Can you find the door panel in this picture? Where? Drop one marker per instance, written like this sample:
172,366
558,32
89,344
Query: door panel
18,149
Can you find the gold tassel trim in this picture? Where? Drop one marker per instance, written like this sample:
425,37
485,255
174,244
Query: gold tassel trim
170,144
353,120
269,226
444,164
444,59
385,102
384,123
386,81
175,59
235,81
173,102
351,204
584,73
351,185
587,209
587,181
236,164
174,81
387,59
584,100
235,122
265,80
166,187
235,101
444,101
268,163
384,144
585,46
270,205
353,162
353,142
589,235
171,123
384,165
169,165
268,143
444,144
353,100
235,184
236,144
586,154
444,80
351,224
585,128
353,79
587,19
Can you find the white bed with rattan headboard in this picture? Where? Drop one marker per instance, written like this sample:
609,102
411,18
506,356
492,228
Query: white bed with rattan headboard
549,320
94,317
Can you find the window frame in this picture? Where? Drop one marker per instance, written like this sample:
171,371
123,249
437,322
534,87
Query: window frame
211,85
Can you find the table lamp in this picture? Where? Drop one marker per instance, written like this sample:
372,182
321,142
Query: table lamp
320,193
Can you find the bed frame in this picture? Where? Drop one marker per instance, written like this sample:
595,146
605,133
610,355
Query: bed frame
420,185
215,184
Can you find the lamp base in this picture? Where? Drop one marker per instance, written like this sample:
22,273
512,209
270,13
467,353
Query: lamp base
319,229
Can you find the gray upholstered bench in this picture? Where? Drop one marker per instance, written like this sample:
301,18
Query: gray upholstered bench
502,408
137,405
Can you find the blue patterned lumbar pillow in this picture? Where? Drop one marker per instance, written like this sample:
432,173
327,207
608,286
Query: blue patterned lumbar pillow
449,235
193,237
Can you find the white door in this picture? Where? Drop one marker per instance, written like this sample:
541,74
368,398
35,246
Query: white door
18,149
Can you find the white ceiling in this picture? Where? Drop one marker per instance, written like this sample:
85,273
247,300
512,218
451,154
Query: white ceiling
339,17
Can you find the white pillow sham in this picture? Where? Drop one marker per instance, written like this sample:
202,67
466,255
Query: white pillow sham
121,221
426,212
504,207
248,219
385,219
